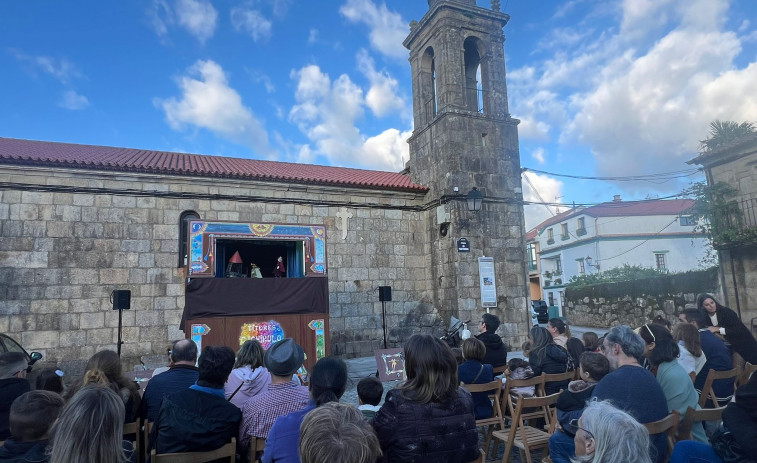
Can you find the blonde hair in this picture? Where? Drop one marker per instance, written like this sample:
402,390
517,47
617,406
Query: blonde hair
90,428
337,433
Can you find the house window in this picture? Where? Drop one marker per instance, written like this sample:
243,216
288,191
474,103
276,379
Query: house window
184,219
531,257
659,258
551,298
564,235
581,230
581,266
550,236
687,221
562,298
558,266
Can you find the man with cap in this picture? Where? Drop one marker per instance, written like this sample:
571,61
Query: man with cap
13,383
284,395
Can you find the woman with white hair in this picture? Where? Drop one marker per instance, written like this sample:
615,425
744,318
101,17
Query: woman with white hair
605,434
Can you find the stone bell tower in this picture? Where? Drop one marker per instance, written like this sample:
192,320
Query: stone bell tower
464,137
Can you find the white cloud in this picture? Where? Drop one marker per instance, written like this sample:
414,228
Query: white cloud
383,96
198,17
252,22
545,189
313,36
327,111
60,68
73,101
538,155
208,102
387,29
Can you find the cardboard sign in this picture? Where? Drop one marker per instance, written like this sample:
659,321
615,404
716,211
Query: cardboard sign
390,364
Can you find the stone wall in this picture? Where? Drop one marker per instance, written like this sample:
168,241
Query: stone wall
627,310
68,238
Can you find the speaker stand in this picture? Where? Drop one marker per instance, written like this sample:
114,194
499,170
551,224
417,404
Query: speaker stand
383,321
120,328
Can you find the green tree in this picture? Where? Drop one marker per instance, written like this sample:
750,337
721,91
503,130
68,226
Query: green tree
724,132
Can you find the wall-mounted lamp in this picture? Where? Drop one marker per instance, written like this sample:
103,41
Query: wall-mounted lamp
589,260
475,198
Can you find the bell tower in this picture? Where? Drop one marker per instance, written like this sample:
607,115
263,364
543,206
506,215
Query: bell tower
464,137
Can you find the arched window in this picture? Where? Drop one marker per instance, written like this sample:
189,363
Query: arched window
475,91
428,85
184,219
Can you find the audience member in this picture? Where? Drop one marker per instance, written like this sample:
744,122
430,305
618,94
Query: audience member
31,416
691,358
337,433
181,375
628,386
109,363
556,328
575,348
721,319
472,371
662,351
605,434
284,395
547,357
13,383
369,393
593,367
49,379
526,348
717,355
519,369
199,418
662,321
458,353
427,418
90,429
328,381
496,351
249,377
591,341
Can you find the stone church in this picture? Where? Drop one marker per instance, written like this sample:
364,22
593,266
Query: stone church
78,222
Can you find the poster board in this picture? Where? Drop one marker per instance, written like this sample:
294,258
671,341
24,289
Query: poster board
487,282
390,364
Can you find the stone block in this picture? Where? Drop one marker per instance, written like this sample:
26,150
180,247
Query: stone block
83,199
71,338
32,340
60,229
35,228
22,323
114,276
92,320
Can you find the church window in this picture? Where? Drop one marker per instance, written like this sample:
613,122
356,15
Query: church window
429,96
475,93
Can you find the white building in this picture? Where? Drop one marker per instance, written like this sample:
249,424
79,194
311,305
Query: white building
654,234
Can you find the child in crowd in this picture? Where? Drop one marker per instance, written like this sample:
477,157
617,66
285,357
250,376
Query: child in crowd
593,367
31,416
519,369
369,392
526,348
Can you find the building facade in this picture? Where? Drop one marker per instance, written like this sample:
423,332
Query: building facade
78,222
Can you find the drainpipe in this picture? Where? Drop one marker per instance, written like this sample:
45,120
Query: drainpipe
735,287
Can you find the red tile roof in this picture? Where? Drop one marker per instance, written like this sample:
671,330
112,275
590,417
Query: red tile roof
42,153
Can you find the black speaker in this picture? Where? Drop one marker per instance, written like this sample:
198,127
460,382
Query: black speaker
385,293
121,299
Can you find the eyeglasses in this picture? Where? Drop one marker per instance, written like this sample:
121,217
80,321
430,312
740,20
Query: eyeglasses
573,424
654,339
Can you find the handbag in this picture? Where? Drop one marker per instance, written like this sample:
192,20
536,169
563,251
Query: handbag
726,447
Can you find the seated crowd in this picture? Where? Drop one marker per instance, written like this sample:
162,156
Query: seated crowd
620,382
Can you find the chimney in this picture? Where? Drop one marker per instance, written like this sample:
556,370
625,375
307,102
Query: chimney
616,198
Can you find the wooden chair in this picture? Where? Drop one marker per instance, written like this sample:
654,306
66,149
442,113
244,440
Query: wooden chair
228,450
481,457
555,377
693,416
712,376
146,429
135,428
746,374
257,445
667,425
500,369
525,437
508,405
494,388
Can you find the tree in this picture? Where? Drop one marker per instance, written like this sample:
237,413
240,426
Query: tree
724,132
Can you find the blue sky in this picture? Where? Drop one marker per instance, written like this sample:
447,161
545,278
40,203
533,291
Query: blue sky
603,88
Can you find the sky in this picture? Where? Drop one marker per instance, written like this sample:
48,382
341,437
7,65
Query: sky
603,88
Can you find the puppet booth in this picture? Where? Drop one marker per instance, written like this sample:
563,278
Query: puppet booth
262,281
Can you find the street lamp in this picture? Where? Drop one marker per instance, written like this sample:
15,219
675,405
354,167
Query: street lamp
475,198
589,260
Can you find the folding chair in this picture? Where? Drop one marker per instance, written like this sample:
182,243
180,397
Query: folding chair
500,369
713,376
667,425
135,428
481,457
257,445
693,416
494,388
508,405
525,437
745,375
557,377
228,450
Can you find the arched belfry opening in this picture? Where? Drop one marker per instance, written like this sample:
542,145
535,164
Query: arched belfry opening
428,85
475,89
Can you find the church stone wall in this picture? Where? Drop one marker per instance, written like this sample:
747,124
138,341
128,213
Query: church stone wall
63,252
